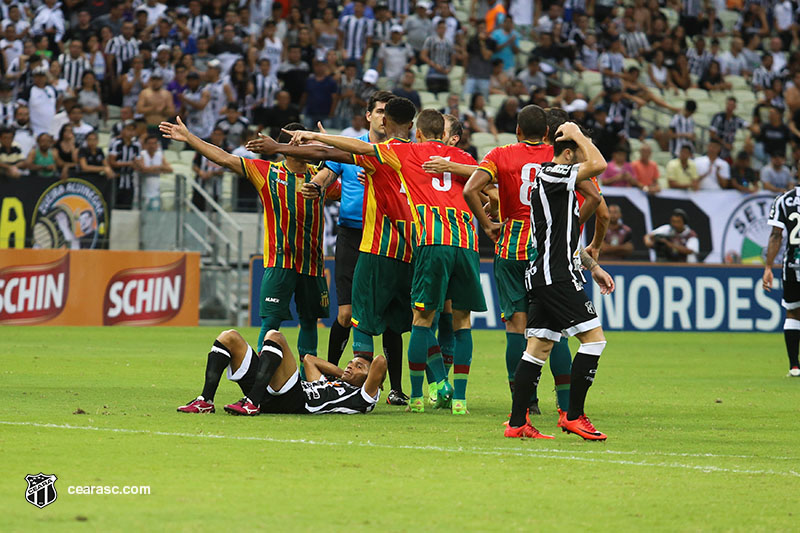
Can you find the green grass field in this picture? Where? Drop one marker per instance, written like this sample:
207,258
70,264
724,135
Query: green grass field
703,435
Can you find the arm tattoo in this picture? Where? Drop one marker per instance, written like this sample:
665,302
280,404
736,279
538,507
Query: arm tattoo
587,261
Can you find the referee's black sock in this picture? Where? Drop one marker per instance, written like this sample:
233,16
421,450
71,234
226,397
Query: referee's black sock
526,379
791,334
268,363
337,341
218,360
393,349
584,367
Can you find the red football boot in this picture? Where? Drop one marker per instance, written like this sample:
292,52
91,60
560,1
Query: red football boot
525,432
562,416
198,405
582,427
243,407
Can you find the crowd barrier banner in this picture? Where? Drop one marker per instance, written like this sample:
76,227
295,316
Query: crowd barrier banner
49,213
99,288
648,297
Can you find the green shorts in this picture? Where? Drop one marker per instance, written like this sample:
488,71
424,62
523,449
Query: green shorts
447,273
279,284
381,294
509,274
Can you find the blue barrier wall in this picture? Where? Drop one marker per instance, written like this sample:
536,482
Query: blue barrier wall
649,297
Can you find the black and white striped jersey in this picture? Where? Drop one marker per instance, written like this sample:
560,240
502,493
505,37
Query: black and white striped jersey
400,7
200,26
680,124
356,30
125,153
324,396
7,110
123,51
555,227
264,89
785,214
72,69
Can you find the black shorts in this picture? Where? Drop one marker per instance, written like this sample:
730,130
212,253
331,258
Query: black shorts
791,291
563,306
289,400
347,242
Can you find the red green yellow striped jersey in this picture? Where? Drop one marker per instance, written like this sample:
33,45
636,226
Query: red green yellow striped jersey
513,167
388,224
293,226
439,209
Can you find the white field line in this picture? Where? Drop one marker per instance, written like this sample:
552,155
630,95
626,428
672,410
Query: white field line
565,455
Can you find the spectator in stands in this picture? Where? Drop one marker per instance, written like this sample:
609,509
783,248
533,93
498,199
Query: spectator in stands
122,154
477,117
776,176
41,161
80,128
763,75
234,125
11,157
679,73
66,153
612,66
23,133
635,40
792,95
357,128
506,119
394,56
532,77
646,170
619,172
546,22
356,31
90,101
150,164
675,242
507,39
588,56
681,129
734,62
658,74
134,82
633,87
724,126
779,60
282,113
347,104
294,73
439,54
714,172
617,244
207,173
682,172
772,137
499,79
477,61
743,177
156,104
452,107
321,94
406,89
712,79
43,102
699,58
418,26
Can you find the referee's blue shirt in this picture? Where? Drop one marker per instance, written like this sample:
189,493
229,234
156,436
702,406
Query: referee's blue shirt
351,204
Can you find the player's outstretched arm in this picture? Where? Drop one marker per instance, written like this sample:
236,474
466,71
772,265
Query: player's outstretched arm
376,375
774,245
600,276
472,194
437,164
348,144
310,152
179,132
316,367
595,163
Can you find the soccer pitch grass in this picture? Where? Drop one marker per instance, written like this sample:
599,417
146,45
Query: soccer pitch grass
703,435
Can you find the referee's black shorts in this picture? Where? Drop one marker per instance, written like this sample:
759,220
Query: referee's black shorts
347,242
562,306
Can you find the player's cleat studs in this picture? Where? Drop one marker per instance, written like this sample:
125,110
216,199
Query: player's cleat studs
582,427
396,398
198,405
243,407
416,405
460,407
794,373
525,432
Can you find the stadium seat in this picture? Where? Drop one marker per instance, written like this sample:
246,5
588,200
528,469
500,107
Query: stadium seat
506,138
526,47
456,73
427,99
496,100
737,82
483,139
698,95
728,18
590,77
662,158
635,144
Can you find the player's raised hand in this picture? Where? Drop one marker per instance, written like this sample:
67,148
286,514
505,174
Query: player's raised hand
177,132
766,280
262,145
435,165
494,229
320,127
310,191
568,131
603,280
299,136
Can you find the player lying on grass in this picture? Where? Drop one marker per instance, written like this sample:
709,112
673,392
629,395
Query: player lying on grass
557,300
271,381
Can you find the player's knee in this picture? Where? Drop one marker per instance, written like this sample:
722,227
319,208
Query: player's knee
794,314
229,336
344,315
592,348
275,336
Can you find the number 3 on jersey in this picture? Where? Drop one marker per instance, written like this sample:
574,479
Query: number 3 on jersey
528,175
445,182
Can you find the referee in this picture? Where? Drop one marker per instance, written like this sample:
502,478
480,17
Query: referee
348,240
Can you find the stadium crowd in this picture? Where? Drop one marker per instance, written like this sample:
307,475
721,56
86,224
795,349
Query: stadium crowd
691,94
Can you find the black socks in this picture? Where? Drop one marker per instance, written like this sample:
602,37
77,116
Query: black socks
218,360
526,379
337,342
268,363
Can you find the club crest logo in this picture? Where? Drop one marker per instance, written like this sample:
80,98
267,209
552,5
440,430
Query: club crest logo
70,214
324,300
41,490
590,308
747,231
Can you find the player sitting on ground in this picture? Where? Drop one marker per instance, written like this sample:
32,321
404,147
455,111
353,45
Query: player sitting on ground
272,384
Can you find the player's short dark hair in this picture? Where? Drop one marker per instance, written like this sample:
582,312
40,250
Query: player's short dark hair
555,118
284,138
532,121
431,123
400,110
560,146
456,128
379,96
